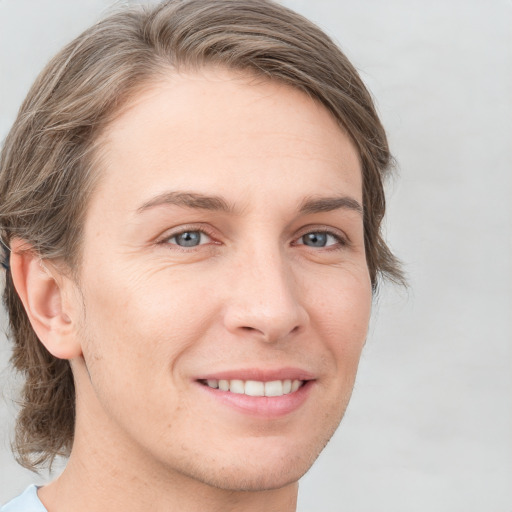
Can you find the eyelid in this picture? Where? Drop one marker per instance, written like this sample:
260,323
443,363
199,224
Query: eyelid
178,230
343,239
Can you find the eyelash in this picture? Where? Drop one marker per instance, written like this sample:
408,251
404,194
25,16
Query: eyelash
341,240
187,229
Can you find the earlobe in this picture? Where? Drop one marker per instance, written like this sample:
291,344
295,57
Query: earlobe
42,292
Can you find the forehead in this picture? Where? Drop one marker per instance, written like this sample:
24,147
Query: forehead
217,128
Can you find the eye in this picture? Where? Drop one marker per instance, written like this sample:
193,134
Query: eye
320,239
189,238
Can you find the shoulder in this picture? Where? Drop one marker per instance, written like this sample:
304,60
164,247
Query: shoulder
26,502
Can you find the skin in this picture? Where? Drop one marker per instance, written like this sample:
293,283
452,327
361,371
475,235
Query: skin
150,317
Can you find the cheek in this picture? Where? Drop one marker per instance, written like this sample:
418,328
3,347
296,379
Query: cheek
145,319
341,313
137,333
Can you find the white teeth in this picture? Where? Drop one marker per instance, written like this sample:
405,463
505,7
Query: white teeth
237,386
274,388
255,387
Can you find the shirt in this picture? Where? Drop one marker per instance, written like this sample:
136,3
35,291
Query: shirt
26,502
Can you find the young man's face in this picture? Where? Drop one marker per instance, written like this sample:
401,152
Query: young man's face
223,248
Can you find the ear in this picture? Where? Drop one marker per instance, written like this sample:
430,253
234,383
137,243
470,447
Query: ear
46,296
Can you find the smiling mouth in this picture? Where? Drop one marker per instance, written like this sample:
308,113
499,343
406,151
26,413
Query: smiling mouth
254,387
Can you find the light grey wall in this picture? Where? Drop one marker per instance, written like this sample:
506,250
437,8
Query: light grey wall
430,424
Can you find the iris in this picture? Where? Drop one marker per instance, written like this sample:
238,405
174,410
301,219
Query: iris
188,238
315,239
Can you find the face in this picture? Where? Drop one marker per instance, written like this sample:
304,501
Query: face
225,289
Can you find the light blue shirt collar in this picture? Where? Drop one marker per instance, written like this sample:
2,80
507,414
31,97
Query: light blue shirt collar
26,502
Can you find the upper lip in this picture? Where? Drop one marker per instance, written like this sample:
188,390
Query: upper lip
260,374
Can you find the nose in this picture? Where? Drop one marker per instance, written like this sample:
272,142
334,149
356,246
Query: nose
264,299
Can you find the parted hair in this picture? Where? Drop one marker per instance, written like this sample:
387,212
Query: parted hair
48,166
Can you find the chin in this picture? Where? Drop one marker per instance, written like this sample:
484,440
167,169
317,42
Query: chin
265,466
256,479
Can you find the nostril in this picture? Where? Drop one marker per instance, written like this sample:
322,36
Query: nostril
269,336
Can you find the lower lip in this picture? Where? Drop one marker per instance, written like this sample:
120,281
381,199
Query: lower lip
262,406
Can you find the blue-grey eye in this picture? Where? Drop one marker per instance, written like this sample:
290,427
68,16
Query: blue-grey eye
188,238
318,239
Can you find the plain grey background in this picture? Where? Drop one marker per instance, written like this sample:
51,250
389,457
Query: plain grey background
429,427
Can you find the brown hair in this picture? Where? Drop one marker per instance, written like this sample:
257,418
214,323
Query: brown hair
47,162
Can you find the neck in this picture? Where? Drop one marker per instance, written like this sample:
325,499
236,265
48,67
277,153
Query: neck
107,471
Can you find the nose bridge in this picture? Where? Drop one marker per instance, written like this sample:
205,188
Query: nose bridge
265,300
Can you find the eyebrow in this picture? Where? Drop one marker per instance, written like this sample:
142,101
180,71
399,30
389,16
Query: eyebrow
195,200
329,204
189,200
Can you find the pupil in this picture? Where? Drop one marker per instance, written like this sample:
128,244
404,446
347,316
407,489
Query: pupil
315,239
188,239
